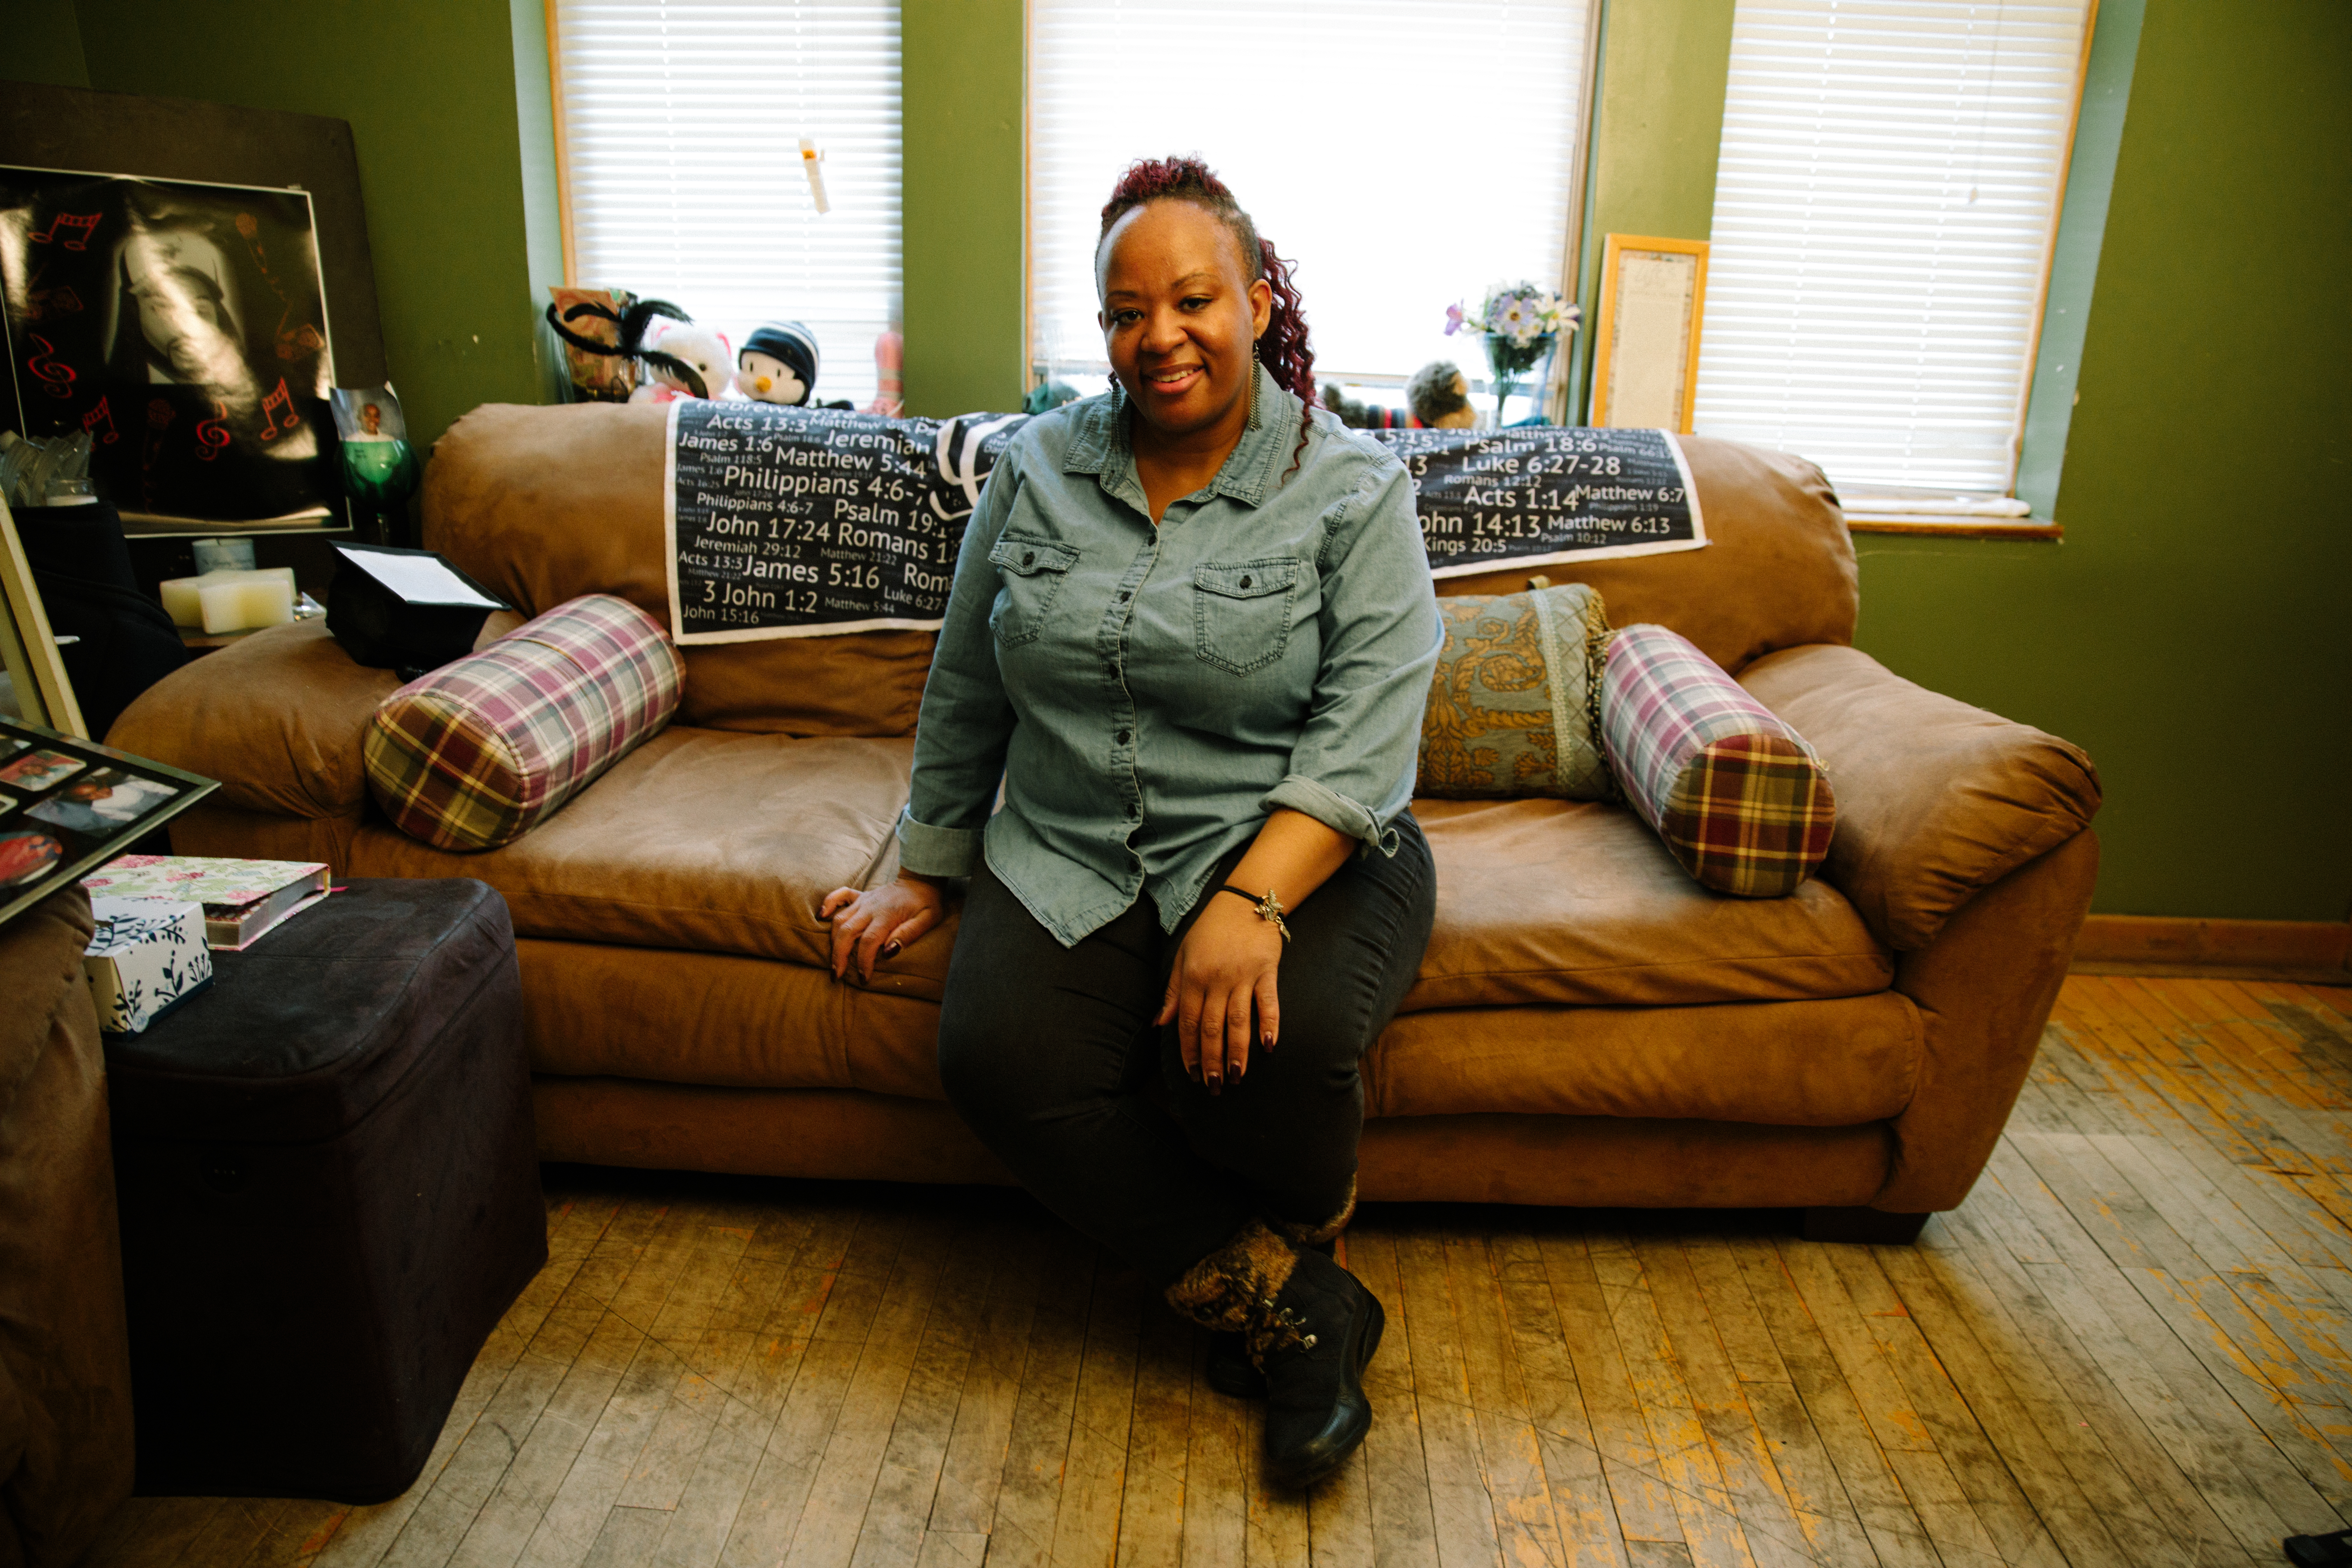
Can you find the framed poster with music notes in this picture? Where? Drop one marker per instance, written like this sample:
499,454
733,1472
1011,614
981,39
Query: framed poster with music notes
183,325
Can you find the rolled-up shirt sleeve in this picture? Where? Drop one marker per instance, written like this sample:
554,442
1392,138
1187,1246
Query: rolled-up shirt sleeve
1352,768
966,719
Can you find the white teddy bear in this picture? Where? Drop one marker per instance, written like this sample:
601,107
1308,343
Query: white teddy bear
702,351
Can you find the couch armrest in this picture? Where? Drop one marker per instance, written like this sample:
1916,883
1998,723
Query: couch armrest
1936,800
276,718
1984,989
64,1351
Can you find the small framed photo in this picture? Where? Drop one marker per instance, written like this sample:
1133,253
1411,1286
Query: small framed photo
70,806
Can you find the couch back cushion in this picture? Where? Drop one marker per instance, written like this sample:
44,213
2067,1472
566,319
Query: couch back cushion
1777,570
546,504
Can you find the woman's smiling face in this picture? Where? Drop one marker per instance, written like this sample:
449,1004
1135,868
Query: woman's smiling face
1179,315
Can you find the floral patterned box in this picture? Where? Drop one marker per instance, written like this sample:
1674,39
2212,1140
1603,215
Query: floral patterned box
148,956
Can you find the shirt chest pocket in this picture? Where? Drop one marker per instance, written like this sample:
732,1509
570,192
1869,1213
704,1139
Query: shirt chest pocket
1034,570
1240,611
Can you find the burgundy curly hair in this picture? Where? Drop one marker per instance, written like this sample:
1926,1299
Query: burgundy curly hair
1283,347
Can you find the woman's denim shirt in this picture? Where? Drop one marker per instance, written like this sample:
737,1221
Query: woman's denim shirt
1149,694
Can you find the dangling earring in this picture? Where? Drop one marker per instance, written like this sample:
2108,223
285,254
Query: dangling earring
1117,396
1254,362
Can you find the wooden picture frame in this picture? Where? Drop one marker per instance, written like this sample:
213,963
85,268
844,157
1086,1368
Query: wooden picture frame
45,696
1645,342
192,143
53,831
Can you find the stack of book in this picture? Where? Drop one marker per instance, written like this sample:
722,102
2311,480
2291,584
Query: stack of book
242,899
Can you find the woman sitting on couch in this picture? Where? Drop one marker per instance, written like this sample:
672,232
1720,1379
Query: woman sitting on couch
1191,630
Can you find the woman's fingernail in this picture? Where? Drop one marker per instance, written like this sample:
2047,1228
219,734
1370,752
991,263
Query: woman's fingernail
889,950
1268,1040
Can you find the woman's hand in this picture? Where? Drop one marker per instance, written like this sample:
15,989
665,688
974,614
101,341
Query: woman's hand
1228,959
879,922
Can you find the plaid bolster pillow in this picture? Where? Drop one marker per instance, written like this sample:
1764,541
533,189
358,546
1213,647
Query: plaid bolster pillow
1739,798
478,752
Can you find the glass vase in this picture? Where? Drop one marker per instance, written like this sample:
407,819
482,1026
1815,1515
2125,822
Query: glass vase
1509,361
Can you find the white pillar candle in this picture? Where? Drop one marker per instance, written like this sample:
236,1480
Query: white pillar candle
183,597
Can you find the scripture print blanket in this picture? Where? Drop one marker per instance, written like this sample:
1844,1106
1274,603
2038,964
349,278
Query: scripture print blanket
789,523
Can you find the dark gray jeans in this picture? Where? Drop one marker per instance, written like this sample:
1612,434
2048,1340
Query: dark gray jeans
1050,1055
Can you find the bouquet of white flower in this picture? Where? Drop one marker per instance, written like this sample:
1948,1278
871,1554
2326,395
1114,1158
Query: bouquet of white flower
1521,324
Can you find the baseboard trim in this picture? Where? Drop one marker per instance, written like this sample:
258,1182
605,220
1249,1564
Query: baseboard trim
2312,952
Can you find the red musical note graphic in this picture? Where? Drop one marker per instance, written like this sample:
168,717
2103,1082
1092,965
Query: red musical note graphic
79,223
101,415
211,434
56,379
280,399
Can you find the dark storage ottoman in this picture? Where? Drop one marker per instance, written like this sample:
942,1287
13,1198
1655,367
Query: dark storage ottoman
329,1193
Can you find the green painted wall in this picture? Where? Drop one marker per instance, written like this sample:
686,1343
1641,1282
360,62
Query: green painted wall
964,127
1657,122
45,44
429,88
2190,630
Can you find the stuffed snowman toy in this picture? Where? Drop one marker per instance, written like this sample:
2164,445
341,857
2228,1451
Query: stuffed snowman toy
778,363
705,352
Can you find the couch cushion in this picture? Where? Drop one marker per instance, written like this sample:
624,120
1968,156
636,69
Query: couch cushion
1777,570
601,1011
1795,1064
716,842
701,839
1567,901
545,504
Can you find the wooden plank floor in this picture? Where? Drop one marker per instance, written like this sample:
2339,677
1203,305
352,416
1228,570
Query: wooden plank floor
2132,1346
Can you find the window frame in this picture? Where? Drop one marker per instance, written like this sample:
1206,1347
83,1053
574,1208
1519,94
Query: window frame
2035,524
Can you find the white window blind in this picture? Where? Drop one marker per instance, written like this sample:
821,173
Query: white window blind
1884,208
681,126
1405,154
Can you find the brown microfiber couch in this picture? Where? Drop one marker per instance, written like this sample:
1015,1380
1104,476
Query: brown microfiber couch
65,1352
1589,1028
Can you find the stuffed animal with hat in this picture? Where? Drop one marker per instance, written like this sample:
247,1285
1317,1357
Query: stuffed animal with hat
778,363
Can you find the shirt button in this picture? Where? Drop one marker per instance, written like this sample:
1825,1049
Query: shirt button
1122,595
1029,558
1245,581
1122,737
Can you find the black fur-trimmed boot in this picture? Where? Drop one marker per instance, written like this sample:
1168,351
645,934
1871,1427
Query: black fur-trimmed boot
1311,1328
1230,1370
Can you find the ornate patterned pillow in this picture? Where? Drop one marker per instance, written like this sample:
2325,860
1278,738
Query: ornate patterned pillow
1515,706
478,752
1740,799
